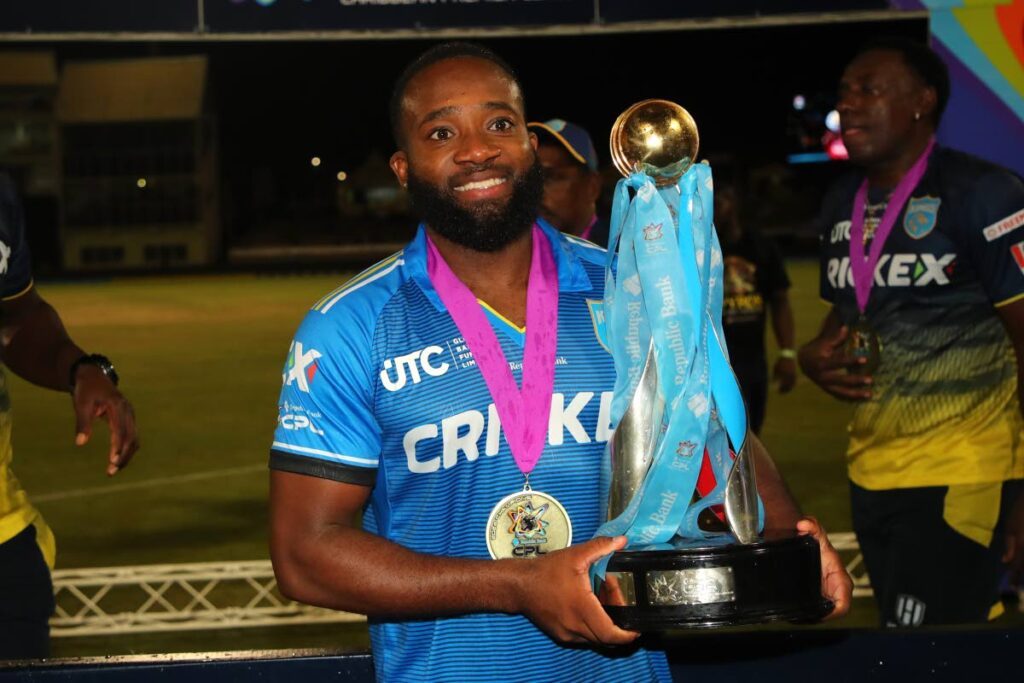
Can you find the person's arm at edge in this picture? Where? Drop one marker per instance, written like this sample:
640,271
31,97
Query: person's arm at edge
784,327
37,348
321,557
1012,316
783,512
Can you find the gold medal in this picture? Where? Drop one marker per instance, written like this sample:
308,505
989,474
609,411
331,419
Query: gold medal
863,342
527,524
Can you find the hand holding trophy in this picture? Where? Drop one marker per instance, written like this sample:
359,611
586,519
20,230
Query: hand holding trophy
681,484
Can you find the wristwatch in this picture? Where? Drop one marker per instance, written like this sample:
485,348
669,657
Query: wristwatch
101,362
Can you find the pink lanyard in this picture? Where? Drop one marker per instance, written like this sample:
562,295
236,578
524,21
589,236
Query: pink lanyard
586,232
524,414
863,267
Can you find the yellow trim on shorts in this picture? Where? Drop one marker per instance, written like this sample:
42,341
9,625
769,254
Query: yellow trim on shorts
19,294
46,541
972,510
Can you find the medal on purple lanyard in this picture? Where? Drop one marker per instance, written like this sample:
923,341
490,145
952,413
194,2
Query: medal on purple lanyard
527,523
863,341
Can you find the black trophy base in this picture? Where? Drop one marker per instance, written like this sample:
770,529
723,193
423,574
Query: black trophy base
703,586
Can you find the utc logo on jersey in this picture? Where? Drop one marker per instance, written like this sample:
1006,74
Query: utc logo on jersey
409,366
301,367
921,215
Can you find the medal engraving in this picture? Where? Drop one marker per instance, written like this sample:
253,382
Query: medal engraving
863,342
527,524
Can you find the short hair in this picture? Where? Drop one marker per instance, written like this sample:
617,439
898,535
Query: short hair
922,60
440,53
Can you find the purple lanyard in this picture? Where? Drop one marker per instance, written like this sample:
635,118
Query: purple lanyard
524,414
863,267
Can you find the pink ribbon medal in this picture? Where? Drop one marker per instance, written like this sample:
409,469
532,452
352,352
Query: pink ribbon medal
527,523
863,341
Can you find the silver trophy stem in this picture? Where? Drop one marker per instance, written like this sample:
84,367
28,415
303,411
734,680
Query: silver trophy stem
634,440
741,496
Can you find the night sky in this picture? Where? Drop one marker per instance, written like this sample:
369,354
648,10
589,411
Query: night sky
277,104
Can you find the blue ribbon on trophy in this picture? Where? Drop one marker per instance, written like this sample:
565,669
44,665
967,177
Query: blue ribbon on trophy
676,396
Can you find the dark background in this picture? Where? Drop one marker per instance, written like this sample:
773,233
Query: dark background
276,104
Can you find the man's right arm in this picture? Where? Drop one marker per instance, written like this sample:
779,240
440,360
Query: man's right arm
825,362
322,557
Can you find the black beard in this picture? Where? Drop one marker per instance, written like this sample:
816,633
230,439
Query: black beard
488,227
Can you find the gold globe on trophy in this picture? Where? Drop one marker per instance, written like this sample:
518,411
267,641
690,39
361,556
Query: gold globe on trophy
655,137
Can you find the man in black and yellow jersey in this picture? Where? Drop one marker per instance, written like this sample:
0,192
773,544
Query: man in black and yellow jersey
34,344
936,454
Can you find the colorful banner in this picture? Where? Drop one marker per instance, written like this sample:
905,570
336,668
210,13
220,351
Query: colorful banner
982,42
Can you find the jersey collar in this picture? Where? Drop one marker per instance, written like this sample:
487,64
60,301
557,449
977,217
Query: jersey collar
572,276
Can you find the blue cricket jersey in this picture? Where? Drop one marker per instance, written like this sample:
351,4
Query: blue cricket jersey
380,390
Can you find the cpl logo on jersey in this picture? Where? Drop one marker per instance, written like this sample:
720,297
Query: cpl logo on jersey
412,362
301,367
921,216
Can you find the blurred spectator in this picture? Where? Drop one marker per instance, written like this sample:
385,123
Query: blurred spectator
572,182
755,282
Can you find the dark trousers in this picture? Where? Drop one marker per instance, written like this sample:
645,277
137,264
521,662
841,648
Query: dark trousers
26,598
922,570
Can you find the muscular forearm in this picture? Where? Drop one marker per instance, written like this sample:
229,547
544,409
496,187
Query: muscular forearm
348,569
36,346
781,509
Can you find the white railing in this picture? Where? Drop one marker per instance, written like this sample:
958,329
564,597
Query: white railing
176,597
217,595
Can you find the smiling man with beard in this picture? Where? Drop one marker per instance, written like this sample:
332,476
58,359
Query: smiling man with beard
416,396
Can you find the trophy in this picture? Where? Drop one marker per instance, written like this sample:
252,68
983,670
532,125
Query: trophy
680,475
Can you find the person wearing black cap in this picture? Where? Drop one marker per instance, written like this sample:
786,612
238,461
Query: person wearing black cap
572,183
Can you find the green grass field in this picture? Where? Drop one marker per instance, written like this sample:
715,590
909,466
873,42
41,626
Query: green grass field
200,358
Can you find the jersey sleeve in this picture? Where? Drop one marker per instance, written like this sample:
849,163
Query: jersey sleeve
15,261
326,425
995,242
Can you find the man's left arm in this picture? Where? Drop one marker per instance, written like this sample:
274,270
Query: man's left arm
36,347
782,512
784,326
776,285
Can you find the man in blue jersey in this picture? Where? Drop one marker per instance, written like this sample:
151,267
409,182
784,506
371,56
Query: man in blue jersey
936,451
388,413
